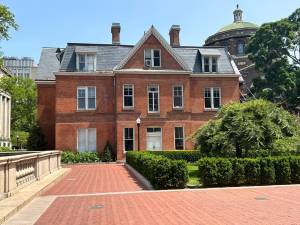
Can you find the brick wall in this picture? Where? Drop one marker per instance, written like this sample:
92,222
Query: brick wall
46,112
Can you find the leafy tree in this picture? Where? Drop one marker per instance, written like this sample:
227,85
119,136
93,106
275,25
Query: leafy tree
275,51
19,139
253,128
24,98
7,21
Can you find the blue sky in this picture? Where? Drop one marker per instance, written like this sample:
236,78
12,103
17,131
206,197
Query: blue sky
53,23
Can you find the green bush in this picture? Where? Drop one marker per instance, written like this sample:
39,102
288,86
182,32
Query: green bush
5,149
252,171
295,169
108,155
267,171
161,172
234,171
79,157
238,171
208,171
282,170
187,155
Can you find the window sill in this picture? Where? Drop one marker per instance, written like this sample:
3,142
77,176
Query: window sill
211,110
128,108
153,114
85,110
178,109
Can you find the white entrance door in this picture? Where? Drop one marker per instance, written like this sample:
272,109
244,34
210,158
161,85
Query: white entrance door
154,139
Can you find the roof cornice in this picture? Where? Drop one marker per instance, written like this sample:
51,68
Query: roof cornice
141,71
45,81
205,75
97,73
164,43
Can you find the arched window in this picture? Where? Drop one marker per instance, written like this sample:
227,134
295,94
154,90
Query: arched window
241,48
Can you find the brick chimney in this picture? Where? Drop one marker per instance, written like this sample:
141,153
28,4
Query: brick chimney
174,35
115,31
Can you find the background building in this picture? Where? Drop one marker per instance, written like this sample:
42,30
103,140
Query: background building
5,110
23,67
234,37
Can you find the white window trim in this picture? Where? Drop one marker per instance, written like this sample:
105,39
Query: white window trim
124,138
86,137
152,57
158,108
86,97
210,63
161,138
85,61
178,85
175,137
212,99
128,107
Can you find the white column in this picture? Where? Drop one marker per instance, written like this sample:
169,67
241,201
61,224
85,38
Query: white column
5,117
1,116
9,117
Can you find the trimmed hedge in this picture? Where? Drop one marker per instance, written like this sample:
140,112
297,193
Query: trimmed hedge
259,171
162,173
80,157
187,155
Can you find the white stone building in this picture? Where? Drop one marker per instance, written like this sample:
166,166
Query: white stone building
5,113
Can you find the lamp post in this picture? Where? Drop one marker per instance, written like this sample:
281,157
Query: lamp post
18,142
138,123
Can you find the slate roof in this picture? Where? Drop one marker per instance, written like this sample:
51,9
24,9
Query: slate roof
48,64
109,56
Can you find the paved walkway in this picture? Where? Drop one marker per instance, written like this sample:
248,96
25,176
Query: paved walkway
84,197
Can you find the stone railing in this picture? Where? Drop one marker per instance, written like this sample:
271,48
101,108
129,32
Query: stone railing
18,169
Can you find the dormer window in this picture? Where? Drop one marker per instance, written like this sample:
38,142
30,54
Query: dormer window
210,64
241,48
152,57
86,62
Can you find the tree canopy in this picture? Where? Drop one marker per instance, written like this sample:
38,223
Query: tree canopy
253,128
24,98
7,21
275,50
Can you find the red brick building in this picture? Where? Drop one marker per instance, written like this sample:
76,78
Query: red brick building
89,94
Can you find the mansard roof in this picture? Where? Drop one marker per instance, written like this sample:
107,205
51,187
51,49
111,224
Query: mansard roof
111,57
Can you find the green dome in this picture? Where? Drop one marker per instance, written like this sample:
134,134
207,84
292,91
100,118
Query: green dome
237,26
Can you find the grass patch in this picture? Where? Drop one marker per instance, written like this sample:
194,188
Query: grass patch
193,175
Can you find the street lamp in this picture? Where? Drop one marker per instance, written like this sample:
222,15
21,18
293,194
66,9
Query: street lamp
18,142
138,123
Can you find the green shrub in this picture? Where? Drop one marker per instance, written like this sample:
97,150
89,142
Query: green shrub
108,155
79,157
267,171
5,149
187,155
224,173
161,172
282,170
295,169
252,171
208,171
238,171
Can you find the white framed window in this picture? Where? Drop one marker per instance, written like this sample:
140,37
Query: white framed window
178,96
128,96
86,139
153,98
86,98
179,138
152,57
86,62
212,98
210,64
128,139
154,138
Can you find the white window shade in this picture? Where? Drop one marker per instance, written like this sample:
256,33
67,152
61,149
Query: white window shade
81,142
91,145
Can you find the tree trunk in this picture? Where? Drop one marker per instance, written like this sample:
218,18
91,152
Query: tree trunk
238,150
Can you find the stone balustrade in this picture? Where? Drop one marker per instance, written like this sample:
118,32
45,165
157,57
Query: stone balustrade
18,169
